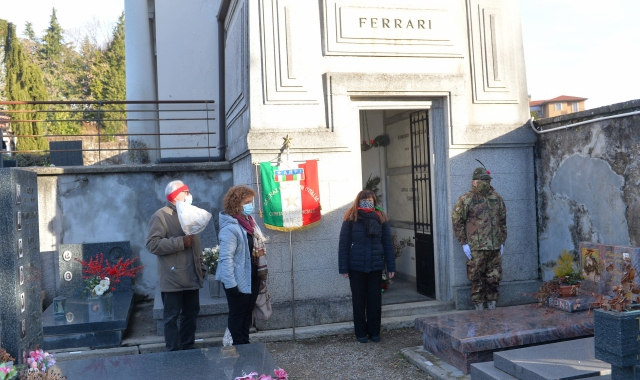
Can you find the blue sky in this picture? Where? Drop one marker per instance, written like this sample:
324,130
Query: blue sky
587,48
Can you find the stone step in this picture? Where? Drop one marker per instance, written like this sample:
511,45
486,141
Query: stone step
416,308
213,312
487,371
571,359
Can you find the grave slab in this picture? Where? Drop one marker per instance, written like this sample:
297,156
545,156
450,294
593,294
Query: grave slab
472,337
200,364
20,267
83,324
572,359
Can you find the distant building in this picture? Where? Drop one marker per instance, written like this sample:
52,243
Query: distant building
560,105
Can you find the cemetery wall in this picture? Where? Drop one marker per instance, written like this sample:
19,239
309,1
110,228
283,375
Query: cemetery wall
586,181
79,205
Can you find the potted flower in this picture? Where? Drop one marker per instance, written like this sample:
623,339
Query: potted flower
211,256
567,275
100,278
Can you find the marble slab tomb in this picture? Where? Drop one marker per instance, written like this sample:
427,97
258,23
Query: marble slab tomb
200,364
472,337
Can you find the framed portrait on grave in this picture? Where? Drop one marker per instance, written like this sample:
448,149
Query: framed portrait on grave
18,195
22,303
20,251
21,275
24,328
19,220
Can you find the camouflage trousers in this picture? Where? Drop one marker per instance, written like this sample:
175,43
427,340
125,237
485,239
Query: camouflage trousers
484,271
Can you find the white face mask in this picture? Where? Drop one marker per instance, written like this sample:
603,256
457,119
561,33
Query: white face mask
188,199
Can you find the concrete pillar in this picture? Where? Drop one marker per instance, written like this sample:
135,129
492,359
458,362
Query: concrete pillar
141,78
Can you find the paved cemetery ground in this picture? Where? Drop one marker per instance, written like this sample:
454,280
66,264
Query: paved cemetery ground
331,357
342,357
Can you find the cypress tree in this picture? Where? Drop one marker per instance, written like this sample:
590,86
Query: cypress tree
113,81
52,41
24,82
28,31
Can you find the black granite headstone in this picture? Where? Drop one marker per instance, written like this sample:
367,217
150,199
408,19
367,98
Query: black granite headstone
66,153
20,298
9,163
71,282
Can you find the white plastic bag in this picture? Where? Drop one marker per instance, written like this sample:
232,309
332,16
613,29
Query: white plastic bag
193,220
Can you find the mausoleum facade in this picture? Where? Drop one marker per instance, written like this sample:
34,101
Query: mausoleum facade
443,80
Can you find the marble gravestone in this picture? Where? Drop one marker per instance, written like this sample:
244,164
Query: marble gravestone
71,282
21,298
603,265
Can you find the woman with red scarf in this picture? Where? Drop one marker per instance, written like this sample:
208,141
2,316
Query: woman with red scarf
365,248
242,263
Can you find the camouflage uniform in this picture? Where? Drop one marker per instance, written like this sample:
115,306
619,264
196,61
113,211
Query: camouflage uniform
480,220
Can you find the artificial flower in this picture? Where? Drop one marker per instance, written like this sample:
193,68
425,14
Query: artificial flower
280,374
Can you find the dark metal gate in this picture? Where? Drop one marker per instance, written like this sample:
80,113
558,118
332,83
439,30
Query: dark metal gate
423,227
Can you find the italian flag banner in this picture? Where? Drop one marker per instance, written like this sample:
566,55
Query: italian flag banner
290,195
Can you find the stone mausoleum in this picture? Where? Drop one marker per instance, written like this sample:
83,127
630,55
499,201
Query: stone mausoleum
435,84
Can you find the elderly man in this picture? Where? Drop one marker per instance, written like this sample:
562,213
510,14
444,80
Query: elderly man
181,269
480,224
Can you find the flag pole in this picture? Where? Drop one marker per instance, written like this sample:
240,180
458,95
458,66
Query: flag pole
287,144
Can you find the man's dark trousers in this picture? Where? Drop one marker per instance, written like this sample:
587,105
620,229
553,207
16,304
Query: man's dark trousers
179,317
366,294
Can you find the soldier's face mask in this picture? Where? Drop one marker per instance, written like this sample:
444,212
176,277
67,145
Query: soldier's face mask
483,186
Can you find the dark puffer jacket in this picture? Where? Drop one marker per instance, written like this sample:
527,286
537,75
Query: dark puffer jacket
363,253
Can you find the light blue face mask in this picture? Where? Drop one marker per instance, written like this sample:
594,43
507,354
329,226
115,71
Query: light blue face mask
247,209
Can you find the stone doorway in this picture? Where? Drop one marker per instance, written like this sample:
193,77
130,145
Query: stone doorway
386,163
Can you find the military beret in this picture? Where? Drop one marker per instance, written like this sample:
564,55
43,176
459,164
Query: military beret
481,173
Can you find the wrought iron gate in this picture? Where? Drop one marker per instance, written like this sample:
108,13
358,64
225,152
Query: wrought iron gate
422,220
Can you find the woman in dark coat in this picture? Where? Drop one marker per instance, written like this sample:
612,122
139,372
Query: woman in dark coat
364,250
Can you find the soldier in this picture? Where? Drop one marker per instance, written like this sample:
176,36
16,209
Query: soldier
480,224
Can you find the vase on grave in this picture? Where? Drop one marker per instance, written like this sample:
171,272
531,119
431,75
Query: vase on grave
616,336
568,290
106,305
215,287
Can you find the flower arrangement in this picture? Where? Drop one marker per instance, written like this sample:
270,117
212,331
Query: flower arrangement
211,256
99,274
39,361
398,246
7,370
566,271
280,374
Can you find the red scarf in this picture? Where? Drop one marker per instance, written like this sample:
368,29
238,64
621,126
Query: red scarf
371,210
247,224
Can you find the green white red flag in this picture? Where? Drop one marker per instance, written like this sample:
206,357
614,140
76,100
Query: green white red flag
290,195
